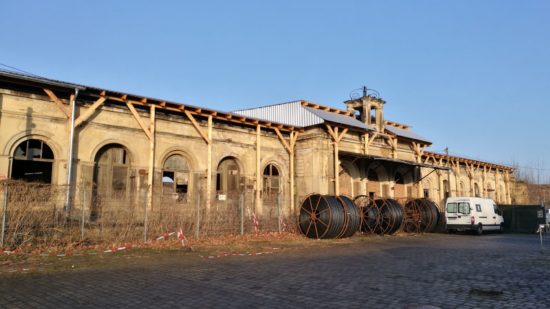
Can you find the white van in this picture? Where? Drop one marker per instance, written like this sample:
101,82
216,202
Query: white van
474,214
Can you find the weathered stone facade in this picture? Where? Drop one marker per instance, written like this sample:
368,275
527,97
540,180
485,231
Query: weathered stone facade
123,143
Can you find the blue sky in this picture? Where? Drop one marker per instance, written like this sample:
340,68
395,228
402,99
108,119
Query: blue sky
473,76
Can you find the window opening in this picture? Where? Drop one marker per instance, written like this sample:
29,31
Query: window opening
271,184
175,177
33,162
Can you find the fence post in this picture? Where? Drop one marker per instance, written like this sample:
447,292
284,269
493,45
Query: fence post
241,205
4,214
279,212
197,226
83,212
145,219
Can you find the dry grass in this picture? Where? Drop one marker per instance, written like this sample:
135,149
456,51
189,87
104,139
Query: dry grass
36,218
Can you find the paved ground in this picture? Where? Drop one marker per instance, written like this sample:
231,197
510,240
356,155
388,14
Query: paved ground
447,271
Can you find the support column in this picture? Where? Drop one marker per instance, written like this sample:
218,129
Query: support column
208,140
151,157
290,149
258,170
209,167
497,190
484,180
291,170
336,166
336,138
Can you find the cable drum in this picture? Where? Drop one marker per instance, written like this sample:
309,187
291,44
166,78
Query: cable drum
352,216
321,217
338,223
327,216
370,216
421,216
390,216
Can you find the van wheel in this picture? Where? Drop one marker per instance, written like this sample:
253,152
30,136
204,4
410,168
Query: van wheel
479,229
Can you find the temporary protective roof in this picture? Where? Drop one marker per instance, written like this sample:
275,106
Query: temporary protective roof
304,114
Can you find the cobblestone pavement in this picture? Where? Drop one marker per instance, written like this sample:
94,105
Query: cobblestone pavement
447,271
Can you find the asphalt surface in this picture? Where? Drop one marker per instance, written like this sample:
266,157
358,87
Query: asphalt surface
446,271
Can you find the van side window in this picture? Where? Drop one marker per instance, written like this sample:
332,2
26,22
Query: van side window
464,208
452,207
478,208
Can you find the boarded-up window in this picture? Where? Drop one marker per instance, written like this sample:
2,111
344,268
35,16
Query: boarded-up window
111,173
399,188
373,186
227,180
385,190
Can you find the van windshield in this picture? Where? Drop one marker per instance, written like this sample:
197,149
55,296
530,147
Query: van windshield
463,208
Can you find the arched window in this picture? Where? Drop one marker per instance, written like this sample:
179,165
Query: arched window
271,185
427,186
32,161
461,189
175,177
490,191
228,177
446,189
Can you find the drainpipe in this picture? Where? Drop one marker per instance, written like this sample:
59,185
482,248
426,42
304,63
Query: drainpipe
68,201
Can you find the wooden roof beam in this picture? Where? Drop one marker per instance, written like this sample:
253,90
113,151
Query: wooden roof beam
58,102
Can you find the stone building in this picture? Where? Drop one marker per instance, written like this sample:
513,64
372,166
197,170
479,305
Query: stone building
124,145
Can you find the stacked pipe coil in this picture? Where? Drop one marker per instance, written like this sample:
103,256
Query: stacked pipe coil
421,216
326,216
380,216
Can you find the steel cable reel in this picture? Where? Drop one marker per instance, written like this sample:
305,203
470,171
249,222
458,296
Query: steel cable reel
432,215
391,216
321,217
370,215
414,217
352,216
421,216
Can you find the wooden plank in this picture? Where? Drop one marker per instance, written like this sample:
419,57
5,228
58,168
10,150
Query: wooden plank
89,112
197,127
138,119
57,102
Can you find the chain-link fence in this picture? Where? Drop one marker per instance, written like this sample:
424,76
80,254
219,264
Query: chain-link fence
37,215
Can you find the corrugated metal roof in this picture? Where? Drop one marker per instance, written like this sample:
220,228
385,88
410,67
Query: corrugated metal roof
291,113
406,133
295,114
338,118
